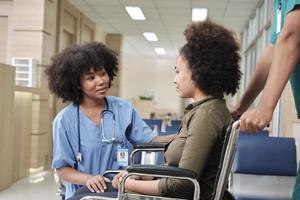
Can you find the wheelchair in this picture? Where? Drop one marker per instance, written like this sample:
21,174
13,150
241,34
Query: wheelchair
227,156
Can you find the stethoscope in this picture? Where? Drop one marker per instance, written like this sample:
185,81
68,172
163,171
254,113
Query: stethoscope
104,137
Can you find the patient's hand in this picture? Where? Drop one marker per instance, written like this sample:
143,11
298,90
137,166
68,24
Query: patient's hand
117,179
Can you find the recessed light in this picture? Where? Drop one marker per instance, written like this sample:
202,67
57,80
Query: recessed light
160,51
199,14
135,12
150,36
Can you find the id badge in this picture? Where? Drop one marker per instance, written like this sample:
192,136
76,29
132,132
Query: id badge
122,157
278,20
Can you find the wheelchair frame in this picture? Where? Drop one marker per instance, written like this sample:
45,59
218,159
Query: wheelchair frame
227,156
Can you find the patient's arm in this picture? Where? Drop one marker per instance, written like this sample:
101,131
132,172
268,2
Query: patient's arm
142,186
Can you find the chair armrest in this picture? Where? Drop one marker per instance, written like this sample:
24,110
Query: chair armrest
161,170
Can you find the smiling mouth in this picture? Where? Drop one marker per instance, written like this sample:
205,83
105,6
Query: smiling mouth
102,90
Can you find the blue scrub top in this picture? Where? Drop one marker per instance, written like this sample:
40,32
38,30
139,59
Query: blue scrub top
97,156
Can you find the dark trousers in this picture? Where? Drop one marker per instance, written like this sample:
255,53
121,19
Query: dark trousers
84,191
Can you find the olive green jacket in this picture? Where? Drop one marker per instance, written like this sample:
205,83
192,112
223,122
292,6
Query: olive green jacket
197,147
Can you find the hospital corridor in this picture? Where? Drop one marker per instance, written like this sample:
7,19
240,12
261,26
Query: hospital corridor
149,99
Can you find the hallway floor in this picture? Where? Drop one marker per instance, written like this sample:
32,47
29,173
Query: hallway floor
39,186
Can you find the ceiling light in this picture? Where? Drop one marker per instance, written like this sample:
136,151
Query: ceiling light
199,14
150,36
135,12
160,51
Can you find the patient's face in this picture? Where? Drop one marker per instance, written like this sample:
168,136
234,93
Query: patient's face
183,78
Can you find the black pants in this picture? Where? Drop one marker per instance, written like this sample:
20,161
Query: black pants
84,191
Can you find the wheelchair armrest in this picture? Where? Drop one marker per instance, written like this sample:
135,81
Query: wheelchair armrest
161,170
147,147
150,145
111,172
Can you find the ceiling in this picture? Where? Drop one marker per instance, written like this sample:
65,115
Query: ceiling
167,18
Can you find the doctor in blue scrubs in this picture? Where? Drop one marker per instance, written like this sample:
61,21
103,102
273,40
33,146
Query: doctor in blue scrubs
91,133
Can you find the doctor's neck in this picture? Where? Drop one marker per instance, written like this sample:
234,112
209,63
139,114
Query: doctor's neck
92,103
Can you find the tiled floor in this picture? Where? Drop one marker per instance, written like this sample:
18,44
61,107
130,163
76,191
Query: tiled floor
39,186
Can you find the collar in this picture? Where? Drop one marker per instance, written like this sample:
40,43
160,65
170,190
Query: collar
197,103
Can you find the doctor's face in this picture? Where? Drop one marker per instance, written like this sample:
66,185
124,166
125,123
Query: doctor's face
94,84
183,78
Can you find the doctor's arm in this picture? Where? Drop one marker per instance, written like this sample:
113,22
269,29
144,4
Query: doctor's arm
94,183
285,57
64,161
138,126
163,138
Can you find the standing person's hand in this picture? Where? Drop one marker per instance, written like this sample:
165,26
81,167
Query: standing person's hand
97,183
234,111
255,120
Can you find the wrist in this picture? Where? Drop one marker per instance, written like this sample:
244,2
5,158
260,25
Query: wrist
266,107
129,183
86,178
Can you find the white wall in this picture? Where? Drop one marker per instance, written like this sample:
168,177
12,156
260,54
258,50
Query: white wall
141,76
166,94
99,34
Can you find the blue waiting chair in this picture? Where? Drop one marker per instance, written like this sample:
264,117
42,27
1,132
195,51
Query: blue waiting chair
260,133
264,168
153,122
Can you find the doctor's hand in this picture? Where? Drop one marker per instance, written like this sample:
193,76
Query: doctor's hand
97,183
255,120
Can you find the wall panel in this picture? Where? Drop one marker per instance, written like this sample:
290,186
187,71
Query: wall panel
7,82
3,38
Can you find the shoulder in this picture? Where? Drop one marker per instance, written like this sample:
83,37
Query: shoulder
119,102
213,110
65,114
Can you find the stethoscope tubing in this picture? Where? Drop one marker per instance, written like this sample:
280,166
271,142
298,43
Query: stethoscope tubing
104,139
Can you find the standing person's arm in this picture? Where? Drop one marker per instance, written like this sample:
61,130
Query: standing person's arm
285,57
257,82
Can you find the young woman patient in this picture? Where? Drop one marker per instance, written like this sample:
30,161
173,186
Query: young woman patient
207,68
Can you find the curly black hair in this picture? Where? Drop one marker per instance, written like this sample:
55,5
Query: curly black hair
212,53
66,67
